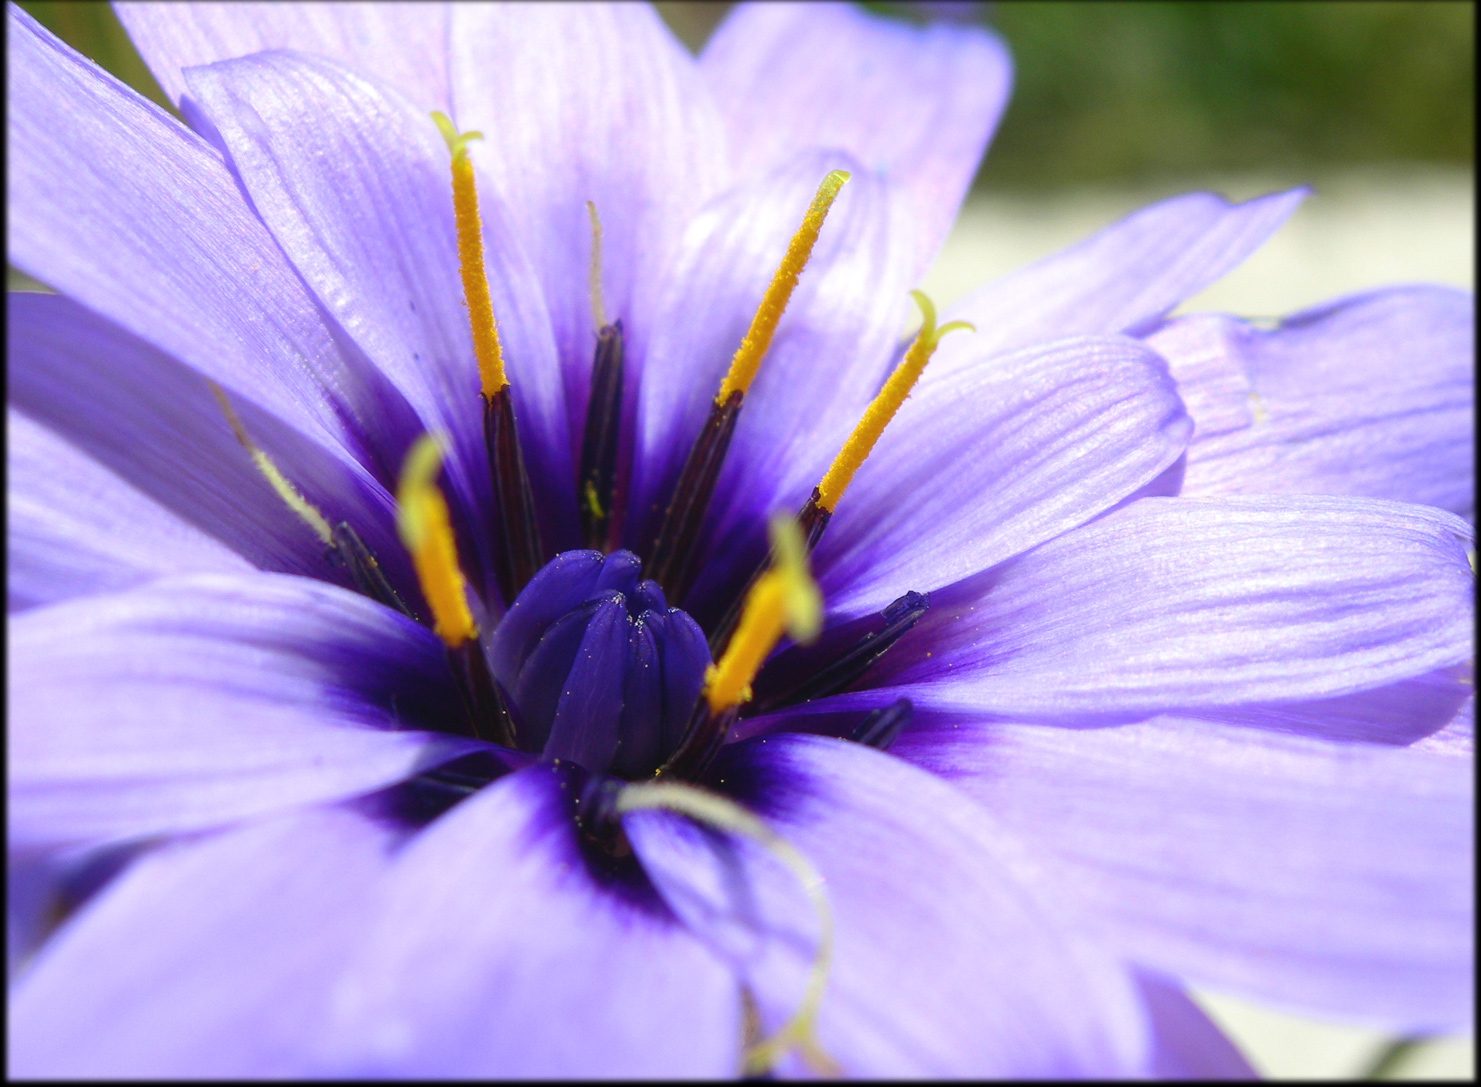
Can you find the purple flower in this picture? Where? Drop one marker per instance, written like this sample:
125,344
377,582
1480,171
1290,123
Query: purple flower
1136,739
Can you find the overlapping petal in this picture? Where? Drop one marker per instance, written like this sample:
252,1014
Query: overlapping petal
154,423
220,956
1186,1044
1370,395
116,205
1124,279
1021,448
76,528
594,102
1322,877
196,701
404,44
946,961
1176,602
916,104
354,183
500,948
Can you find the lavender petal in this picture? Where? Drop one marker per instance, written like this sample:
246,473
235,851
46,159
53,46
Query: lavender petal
947,961
1370,395
197,701
499,950
917,104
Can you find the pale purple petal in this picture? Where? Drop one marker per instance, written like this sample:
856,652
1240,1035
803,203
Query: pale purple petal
594,102
917,104
403,44
115,204
1182,602
1372,395
196,701
1024,447
154,422
498,950
1186,1044
1123,279
354,183
205,959
1458,738
829,354
1331,878
947,962
1397,714
74,527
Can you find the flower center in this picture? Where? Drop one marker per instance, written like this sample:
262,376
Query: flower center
590,664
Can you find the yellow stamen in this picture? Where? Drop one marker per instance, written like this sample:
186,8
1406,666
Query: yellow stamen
598,314
470,258
748,356
290,494
422,521
799,1031
883,407
785,597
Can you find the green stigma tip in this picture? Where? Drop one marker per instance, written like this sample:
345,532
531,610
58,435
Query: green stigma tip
457,142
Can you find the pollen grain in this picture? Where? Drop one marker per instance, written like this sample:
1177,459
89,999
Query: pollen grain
481,322
785,597
292,497
422,522
747,359
884,406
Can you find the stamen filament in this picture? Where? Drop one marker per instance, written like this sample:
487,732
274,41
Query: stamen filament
292,497
785,597
671,557
747,359
424,527
800,1030
481,323
884,406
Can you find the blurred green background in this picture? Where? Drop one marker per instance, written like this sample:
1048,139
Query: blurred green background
1129,92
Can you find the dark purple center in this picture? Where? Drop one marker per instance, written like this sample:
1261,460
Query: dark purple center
595,667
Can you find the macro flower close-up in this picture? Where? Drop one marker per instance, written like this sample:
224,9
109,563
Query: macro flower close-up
493,592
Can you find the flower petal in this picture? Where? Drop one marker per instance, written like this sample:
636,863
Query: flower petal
1458,738
403,44
353,182
1331,878
116,205
1371,395
1187,1044
76,528
917,104
830,351
196,701
1123,279
583,102
1022,448
946,961
500,950
154,422
1179,603
207,958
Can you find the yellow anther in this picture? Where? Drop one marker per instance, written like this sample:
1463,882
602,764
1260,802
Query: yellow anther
748,356
884,406
800,1031
292,497
598,314
785,597
422,521
470,258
